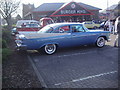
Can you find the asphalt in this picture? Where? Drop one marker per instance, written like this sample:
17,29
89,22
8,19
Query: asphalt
79,67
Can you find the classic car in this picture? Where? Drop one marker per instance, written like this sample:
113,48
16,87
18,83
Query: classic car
45,21
59,35
27,26
91,24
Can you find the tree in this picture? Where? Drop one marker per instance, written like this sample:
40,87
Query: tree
18,17
7,9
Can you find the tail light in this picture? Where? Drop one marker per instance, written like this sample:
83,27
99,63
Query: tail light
19,39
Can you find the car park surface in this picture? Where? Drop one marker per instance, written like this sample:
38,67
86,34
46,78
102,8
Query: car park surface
79,67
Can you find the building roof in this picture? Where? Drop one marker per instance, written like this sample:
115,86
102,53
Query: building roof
56,6
111,8
71,9
49,7
89,7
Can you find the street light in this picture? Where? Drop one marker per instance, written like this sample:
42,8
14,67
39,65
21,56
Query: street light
0,23
107,13
0,19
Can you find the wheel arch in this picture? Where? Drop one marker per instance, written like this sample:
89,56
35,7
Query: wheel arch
49,43
102,36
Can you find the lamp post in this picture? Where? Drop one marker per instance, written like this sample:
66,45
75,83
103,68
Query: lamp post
0,22
107,4
107,11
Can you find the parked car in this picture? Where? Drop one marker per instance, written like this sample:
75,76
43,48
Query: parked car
27,26
60,35
21,22
45,21
91,24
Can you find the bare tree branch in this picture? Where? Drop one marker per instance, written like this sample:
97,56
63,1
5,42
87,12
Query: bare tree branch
7,8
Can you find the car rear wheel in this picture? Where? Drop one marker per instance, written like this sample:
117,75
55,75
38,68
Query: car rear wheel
100,42
95,27
50,49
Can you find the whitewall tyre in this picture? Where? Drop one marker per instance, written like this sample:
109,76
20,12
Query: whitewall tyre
50,49
100,42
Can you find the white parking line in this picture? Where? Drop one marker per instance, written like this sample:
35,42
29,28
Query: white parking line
85,78
76,54
83,52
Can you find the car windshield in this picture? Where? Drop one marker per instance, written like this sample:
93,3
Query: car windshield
86,29
46,29
88,22
32,25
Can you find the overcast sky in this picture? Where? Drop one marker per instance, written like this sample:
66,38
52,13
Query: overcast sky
97,3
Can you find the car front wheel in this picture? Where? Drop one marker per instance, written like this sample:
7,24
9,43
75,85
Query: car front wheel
100,42
50,49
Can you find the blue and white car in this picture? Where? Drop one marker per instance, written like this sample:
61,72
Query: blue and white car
61,35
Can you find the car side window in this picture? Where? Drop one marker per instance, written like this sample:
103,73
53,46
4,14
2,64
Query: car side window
77,28
88,22
63,29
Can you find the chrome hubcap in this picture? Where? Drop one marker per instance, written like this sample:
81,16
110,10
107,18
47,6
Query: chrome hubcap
50,48
101,42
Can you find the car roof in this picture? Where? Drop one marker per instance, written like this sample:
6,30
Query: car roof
62,24
20,22
88,21
27,21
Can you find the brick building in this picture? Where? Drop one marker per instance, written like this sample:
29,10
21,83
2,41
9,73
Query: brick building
111,12
27,9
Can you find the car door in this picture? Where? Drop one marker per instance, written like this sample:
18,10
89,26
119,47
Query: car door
79,35
64,36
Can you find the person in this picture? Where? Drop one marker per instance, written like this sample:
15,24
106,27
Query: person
110,26
113,28
23,25
116,24
106,25
117,30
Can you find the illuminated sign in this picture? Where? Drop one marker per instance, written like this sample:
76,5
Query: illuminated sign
72,11
71,8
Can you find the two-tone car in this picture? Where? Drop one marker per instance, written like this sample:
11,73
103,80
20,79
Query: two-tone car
91,25
59,35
